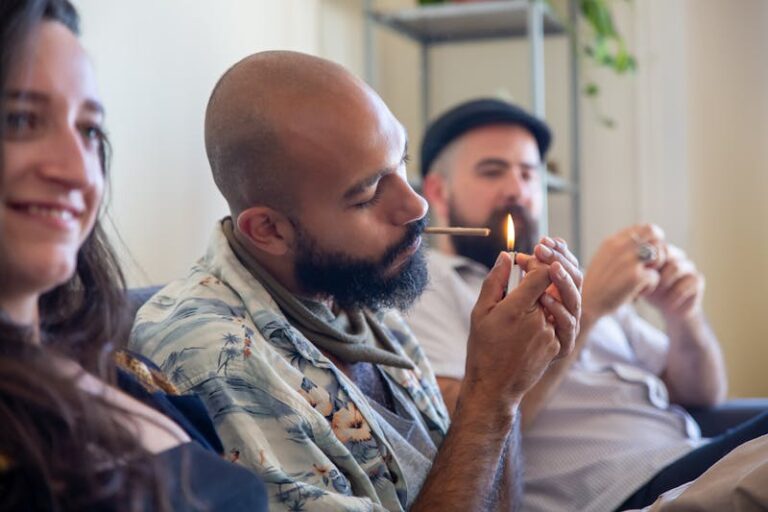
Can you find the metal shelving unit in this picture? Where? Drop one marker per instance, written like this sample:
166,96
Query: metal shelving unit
436,24
453,23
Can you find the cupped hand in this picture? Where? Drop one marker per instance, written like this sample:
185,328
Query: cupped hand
617,275
680,290
511,342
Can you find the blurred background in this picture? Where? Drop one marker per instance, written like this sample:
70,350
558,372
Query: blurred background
681,141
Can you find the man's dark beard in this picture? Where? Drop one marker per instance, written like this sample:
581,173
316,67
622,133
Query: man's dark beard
361,283
485,250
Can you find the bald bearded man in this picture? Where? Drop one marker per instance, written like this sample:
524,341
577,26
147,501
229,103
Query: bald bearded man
285,328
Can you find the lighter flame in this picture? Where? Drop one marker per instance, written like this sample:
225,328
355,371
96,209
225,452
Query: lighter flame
510,233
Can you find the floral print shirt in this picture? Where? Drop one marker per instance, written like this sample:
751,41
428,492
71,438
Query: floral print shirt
279,405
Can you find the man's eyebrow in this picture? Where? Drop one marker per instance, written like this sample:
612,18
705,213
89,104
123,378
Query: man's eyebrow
492,161
360,186
39,97
365,183
500,162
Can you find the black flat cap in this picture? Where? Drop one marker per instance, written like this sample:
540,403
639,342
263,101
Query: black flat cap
473,114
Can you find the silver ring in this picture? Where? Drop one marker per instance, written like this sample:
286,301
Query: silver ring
646,252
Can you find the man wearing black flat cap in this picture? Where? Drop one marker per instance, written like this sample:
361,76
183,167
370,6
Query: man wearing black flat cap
600,431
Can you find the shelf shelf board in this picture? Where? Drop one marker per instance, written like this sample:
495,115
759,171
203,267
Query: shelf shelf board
443,23
558,184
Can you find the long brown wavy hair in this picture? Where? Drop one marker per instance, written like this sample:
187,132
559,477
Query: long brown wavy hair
62,448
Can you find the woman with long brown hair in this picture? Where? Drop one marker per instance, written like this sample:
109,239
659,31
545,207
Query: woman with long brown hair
70,438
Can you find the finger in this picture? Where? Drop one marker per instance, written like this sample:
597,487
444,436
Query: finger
554,292
674,272
686,306
668,253
523,259
558,244
562,246
675,252
495,283
569,292
564,323
529,262
547,255
649,233
646,234
683,290
533,285
647,282
667,277
547,315
662,255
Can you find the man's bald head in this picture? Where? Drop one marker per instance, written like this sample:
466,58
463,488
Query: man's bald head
266,120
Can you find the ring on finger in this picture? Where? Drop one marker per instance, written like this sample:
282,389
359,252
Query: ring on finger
645,251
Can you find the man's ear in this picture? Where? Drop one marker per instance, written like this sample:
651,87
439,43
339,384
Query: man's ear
266,229
435,190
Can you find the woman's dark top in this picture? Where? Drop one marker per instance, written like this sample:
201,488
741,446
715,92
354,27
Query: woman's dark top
213,483
194,475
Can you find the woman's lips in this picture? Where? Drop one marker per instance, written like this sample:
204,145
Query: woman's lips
57,216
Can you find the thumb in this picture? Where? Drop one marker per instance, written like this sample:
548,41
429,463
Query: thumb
533,285
495,283
526,261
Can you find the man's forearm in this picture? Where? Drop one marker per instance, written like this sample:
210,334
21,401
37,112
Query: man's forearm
539,395
695,373
509,478
466,471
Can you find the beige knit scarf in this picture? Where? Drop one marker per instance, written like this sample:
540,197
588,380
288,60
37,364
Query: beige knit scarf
349,339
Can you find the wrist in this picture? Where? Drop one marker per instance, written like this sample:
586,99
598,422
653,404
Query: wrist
589,316
684,320
486,419
478,398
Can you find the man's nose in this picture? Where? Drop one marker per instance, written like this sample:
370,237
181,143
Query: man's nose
514,187
411,206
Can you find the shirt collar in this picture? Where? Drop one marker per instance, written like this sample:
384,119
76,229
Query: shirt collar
462,264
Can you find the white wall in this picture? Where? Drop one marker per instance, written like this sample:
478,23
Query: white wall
341,33
636,171
157,62
728,149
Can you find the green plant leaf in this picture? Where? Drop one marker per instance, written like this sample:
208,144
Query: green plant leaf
597,13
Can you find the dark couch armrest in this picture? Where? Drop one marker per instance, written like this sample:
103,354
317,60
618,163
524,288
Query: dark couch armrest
138,296
716,420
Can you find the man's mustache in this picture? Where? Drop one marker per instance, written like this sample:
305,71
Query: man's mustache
414,230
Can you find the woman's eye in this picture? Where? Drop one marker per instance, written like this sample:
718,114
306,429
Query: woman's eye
93,132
